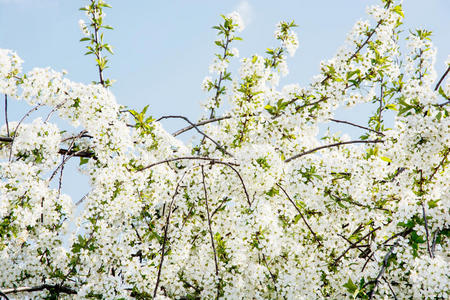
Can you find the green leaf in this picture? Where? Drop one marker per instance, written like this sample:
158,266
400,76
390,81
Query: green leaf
387,159
433,203
391,107
442,93
108,47
83,160
350,286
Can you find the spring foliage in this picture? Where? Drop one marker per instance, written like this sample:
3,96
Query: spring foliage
262,207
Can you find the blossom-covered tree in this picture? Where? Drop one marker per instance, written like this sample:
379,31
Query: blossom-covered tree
262,206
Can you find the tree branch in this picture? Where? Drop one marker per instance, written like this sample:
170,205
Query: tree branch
212,160
330,146
336,261
210,231
218,86
18,125
6,114
65,157
81,153
440,164
442,79
356,125
370,258
426,230
301,214
166,229
51,287
201,123
4,295
198,130
383,268
270,272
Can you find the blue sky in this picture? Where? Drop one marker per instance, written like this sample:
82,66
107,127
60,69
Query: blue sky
163,48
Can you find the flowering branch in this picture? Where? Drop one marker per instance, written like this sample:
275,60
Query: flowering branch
336,261
81,153
95,13
166,229
50,287
383,268
301,215
210,231
442,79
212,160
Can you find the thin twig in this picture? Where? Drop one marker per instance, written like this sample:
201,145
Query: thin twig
442,78
330,146
76,136
212,160
17,127
198,130
356,125
218,207
210,231
306,104
441,163
65,157
365,42
301,214
426,230
166,228
55,109
240,178
402,234
201,123
359,240
433,244
339,199
4,295
6,114
380,108
81,153
371,259
383,268
97,52
270,272
81,200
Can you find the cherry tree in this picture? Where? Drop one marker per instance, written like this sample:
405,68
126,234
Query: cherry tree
262,206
